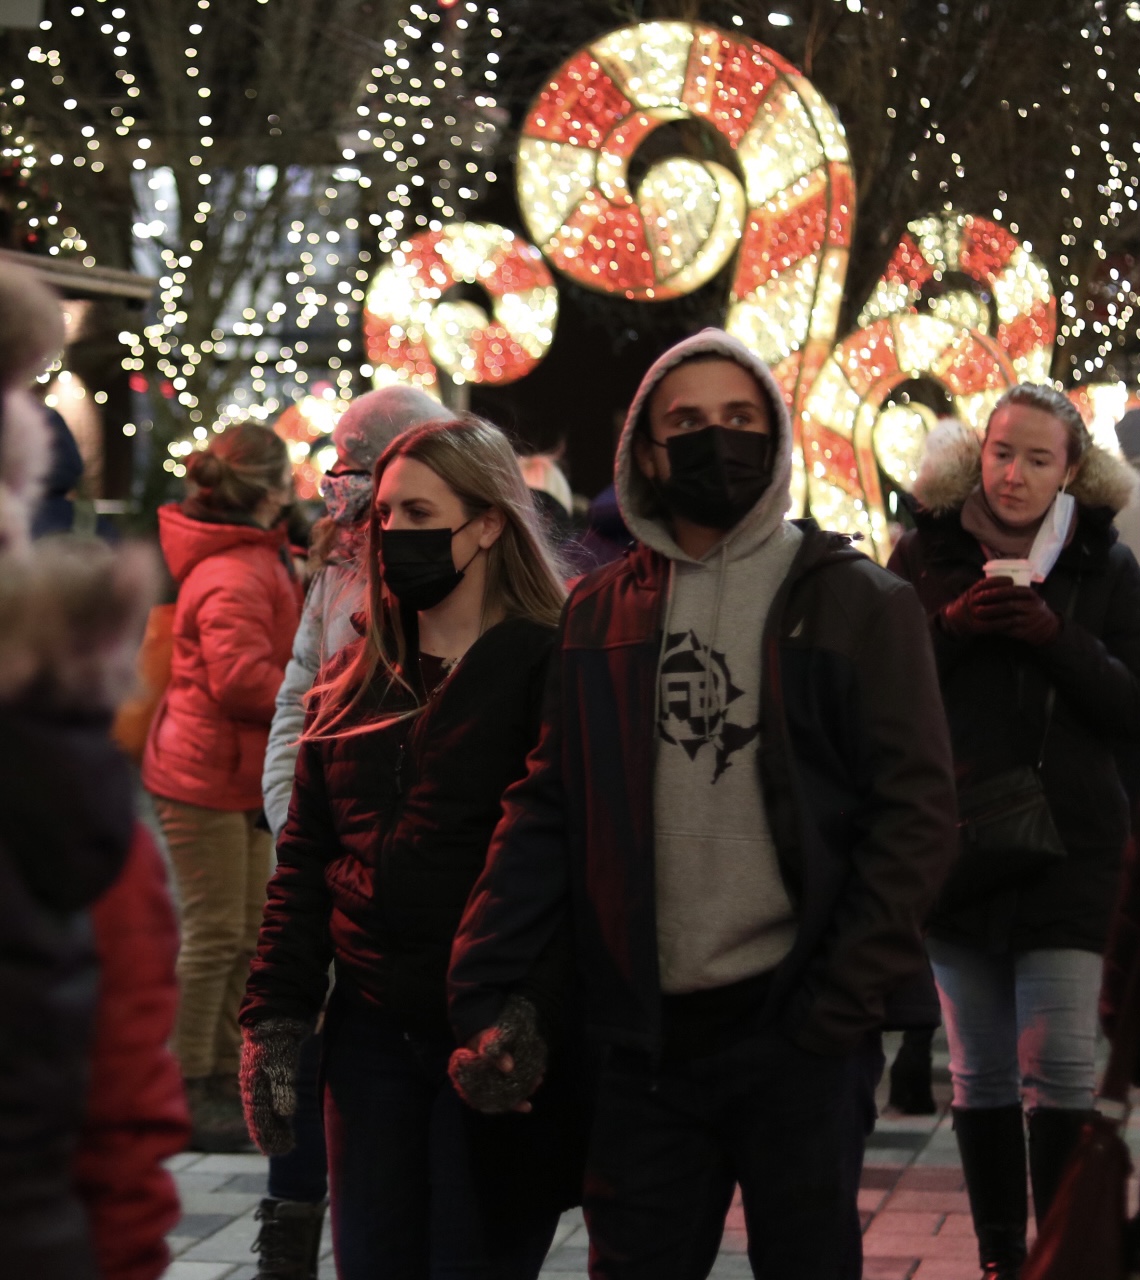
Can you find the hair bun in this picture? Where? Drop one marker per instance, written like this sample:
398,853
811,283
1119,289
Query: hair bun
205,469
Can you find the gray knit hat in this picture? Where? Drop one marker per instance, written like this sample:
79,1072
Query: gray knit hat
371,422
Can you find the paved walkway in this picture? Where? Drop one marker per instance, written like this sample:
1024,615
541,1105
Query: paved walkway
913,1201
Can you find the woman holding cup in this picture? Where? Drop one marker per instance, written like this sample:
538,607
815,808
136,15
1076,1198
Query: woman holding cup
1035,618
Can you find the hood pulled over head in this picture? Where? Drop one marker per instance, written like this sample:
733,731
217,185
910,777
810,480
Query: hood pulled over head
638,499
362,433
951,468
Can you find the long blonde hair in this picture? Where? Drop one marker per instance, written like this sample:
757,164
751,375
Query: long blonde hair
524,578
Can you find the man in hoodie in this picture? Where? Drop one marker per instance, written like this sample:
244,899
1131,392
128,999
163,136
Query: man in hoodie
743,803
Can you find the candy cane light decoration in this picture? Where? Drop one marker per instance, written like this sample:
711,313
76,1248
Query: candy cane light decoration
412,330
1025,321
847,435
688,217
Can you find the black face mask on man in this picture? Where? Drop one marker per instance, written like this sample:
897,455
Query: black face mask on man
717,474
417,567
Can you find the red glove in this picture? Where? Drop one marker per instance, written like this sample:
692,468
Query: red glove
969,614
994,606
1021,614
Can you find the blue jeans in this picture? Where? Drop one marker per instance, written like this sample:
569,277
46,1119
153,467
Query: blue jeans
302,1174
1022,1022
670,1143
404,1202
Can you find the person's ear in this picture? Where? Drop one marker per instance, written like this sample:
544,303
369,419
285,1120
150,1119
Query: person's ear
493,523
643,455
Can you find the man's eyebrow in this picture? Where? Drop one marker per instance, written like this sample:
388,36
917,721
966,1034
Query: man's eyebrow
696,408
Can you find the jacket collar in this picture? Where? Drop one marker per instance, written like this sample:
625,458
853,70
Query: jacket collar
945,539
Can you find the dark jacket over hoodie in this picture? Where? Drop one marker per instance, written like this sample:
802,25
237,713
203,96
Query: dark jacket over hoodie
65,828
387,833
853,760
995,691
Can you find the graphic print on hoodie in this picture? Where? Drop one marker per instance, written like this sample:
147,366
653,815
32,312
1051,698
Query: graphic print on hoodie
723,913
696,701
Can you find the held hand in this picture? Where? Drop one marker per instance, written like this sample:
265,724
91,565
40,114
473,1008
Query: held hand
269,1063
969,615
1021,614
502,1066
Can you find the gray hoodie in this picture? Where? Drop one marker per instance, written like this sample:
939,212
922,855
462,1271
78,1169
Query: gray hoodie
723,913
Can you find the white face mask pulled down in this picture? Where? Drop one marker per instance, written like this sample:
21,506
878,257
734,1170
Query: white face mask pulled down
1052,536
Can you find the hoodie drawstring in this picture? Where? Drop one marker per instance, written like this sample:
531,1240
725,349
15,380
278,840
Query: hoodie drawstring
706,654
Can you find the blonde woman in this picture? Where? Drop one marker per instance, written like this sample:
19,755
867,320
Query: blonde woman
413,734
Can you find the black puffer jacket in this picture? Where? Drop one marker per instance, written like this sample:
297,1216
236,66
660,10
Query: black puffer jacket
995,691
65,828
388,831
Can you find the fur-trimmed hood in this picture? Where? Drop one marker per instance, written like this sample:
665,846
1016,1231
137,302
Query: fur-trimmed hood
951,469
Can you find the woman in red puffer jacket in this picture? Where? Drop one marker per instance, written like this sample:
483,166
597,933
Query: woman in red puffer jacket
238,606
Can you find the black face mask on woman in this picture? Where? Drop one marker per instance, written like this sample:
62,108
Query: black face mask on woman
717,474
417,567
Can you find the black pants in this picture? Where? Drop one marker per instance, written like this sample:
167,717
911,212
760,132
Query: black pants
405,1204
670,1144
303,1173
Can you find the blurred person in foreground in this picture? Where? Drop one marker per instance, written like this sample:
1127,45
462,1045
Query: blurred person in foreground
413,733
237,609
71,614
293,1209
742,802
1040,680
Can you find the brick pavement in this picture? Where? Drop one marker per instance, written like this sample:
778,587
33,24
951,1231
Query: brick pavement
913,1201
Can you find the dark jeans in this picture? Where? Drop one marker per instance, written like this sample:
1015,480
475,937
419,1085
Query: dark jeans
404,1203
303,1173
670,1144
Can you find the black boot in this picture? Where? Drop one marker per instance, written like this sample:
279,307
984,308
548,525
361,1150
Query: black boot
991,1142
289,1242
1053,1135
910,1075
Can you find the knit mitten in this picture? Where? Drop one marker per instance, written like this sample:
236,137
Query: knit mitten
269,1062
476,1073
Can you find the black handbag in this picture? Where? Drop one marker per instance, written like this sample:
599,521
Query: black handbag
1006,833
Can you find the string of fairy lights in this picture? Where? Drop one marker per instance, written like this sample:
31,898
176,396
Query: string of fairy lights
417,154
409,131
422,152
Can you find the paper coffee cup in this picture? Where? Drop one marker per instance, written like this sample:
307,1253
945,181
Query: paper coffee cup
1021,571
